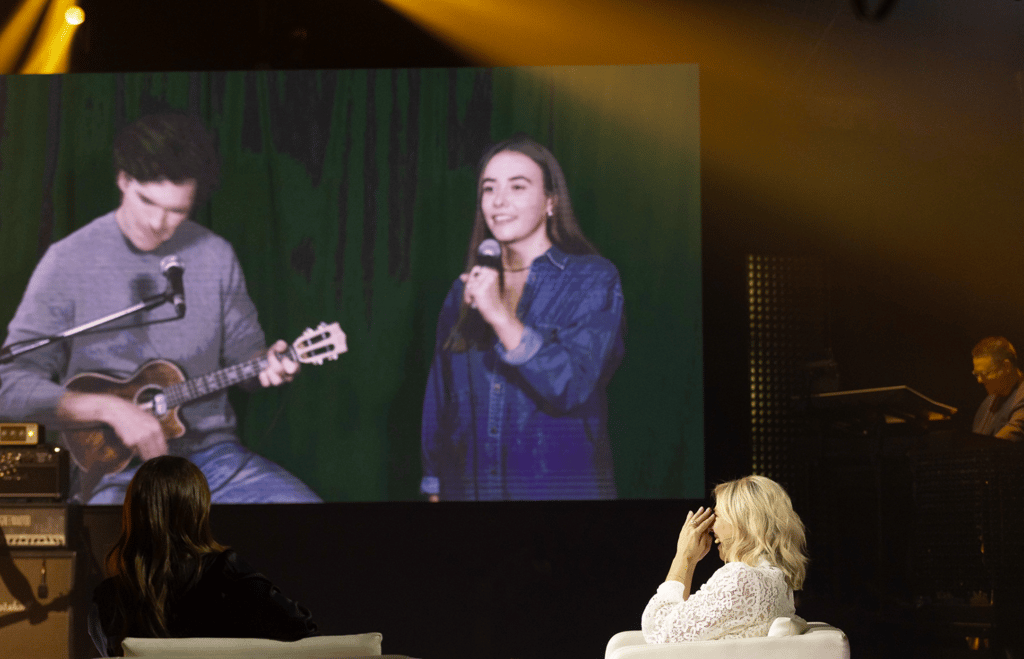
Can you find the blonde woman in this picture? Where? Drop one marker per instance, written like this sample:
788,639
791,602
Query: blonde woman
761,540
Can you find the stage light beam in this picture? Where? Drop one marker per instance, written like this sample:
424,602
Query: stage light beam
17,32
51,50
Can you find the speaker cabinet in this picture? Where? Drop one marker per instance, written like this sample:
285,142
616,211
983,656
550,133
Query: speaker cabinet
35,602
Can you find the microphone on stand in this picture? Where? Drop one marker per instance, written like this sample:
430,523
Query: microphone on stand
172,268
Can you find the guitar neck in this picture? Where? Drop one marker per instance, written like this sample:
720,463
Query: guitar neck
184,392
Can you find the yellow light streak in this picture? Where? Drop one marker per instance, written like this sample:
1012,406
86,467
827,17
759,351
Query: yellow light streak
51,50
18,31
537,32
765,76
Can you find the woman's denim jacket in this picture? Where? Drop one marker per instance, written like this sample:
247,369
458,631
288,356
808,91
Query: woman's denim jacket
529,423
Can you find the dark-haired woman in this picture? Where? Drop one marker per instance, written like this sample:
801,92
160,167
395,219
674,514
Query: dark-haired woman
170,578
515,406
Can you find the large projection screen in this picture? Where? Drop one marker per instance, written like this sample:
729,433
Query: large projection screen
348,196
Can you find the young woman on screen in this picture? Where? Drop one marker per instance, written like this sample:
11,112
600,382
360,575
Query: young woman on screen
761,540
515,405
170,578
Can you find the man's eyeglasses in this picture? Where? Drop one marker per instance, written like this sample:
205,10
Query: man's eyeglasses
988,373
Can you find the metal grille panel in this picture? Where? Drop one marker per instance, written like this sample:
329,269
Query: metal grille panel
788,331
969,521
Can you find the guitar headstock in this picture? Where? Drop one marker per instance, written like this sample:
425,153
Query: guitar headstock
315,346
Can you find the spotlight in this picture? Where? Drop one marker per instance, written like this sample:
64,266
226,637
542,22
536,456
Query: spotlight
74,15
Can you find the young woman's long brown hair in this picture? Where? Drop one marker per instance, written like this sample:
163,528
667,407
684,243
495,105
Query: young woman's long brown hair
165,531
562,228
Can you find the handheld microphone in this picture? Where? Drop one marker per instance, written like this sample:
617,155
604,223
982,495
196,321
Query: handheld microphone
172,268
488,254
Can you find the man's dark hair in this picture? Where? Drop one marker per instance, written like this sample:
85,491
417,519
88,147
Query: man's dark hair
997,349
170,146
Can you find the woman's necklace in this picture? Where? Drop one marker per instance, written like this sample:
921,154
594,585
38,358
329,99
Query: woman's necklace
522,269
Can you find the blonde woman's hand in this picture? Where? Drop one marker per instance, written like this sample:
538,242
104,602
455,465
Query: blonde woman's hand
695,537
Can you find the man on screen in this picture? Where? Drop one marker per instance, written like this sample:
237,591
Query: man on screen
165,164
1002,412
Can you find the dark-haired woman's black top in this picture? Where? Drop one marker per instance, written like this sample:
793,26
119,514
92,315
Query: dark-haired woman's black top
231,600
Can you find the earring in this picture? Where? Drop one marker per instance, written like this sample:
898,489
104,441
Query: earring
550,213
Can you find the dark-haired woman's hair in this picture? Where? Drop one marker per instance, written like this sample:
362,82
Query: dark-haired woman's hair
169,146
562,228
165,531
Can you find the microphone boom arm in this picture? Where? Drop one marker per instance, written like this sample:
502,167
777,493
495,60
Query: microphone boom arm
12,351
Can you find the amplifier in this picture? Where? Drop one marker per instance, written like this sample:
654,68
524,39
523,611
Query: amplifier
20,434
34,525
33,472
35,603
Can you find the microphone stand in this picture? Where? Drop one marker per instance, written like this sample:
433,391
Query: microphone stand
12,351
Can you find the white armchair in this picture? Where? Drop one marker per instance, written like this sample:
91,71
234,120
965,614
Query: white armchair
787,639
314,647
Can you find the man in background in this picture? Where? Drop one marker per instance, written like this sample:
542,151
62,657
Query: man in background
1002,412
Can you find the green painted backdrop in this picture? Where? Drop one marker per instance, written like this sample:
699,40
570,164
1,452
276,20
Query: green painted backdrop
348,196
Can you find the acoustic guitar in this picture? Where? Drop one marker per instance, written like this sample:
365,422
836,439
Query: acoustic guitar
160,388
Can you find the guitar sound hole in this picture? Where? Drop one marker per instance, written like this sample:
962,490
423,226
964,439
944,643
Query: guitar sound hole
145,396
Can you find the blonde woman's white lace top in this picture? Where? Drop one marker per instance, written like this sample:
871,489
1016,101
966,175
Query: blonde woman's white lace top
738,601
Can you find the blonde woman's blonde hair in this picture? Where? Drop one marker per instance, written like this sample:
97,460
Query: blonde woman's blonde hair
764,525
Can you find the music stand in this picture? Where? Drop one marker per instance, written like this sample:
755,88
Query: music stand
878,406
